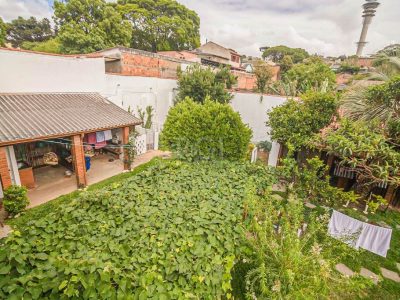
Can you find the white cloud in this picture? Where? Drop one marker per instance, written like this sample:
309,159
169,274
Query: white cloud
11,9
329,27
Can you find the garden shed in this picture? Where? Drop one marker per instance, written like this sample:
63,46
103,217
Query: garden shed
47,137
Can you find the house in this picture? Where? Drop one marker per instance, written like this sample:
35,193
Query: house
216,55
46,137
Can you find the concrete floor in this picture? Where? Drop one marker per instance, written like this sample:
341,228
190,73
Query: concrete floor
52,183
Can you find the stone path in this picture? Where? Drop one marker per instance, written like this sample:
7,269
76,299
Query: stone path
388,274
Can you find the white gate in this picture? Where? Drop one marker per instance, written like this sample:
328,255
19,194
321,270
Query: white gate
141,144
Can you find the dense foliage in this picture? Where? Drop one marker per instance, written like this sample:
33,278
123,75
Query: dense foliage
23,30
364,147
277,54
49,46
296,121
377,102
160,25
88,26
314,75
170,232
15,199
198,83
3,32
205,131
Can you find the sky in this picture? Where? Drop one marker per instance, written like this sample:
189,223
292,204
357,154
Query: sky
327,27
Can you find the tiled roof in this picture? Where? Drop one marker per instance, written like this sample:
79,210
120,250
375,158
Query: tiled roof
35,116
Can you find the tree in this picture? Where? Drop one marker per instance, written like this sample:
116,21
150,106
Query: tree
296,121
208,131
28,30
365,148
286,64
3,32
380,102
391,50
161,24
88,26
315,76
198,83
263,75
277,53
49,46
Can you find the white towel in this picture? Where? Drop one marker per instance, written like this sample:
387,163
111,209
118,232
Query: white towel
359,234
345,228
375,239
108,135
100,137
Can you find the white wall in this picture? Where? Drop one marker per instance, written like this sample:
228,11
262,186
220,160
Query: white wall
254,113
34,73
134,92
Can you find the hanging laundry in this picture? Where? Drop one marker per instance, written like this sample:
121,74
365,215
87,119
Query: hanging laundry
360,234
100,138
345,228
100,145
91,138
375,239
107,135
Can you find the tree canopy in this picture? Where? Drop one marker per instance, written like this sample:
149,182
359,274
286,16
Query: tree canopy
263,74
365,148
312,75
277,53
3,32
23,30
198,83
296,121
88,26
159,25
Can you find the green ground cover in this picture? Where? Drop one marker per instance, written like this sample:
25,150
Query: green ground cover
168,232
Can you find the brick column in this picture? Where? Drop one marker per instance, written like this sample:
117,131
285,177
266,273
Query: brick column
125,141
78,158
5,176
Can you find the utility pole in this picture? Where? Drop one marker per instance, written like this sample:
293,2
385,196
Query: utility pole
368,13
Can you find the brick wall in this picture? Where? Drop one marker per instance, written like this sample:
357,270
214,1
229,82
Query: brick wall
78,155
4,169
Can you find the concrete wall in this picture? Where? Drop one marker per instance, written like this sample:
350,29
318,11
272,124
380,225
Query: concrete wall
134,91
254,113
27,72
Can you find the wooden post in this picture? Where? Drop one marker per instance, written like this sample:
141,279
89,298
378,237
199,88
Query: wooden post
78,158
391,191
331,159
125,141
5,176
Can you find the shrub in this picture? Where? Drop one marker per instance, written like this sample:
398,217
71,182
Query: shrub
204,132
15,199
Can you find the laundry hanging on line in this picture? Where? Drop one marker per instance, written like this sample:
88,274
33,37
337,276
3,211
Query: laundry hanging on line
360,234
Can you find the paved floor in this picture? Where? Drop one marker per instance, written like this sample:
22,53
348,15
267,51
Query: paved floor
52,183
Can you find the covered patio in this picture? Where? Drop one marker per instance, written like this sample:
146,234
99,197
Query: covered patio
56,143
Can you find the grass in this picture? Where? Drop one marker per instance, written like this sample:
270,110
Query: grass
43,209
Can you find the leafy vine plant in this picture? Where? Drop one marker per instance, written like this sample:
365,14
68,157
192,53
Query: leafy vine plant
131,147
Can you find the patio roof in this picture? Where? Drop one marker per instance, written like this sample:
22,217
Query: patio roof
26,117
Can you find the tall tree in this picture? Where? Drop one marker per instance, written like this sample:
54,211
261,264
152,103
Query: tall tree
28,30
161,24
3,32
198,83
277,53
263,74
87,26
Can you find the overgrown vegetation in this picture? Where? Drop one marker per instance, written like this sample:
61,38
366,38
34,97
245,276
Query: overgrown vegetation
141,237
206,131
200,83
263,74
